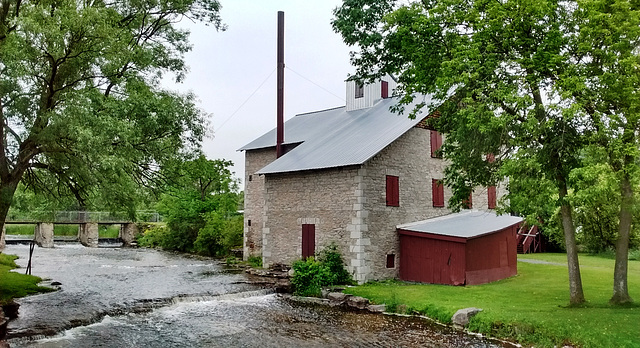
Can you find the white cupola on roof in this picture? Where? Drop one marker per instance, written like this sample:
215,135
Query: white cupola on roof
365,96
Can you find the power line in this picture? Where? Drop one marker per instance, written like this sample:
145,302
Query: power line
247,100
324,89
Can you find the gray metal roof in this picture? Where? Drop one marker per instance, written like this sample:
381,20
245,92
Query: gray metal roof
465,224
336,137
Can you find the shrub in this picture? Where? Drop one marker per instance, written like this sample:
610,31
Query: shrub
255,261
331,258
311,275
219,235
152,236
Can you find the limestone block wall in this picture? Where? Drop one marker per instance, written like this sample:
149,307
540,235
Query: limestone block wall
410,159
326,198
254,199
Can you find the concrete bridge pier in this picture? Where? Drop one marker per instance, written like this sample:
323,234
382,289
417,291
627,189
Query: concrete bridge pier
128,233
88,234
43,234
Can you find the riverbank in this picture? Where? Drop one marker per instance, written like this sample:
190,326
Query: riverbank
530,308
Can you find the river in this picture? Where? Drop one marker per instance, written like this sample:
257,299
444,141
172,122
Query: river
117,297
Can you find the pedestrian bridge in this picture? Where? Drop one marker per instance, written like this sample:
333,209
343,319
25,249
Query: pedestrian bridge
87,221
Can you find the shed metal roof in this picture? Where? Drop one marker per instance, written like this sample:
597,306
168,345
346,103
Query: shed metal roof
466,224
336,137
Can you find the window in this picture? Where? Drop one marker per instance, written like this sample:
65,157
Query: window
437,193
468,203
250,177
384,89
491,199
248,222
393,191
391,260
308,240
436,143
359,91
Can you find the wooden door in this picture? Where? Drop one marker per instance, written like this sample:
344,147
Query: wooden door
308,240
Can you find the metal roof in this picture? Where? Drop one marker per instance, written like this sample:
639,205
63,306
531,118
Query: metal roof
336,137
465,224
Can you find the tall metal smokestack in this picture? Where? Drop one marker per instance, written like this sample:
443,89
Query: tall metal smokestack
280,97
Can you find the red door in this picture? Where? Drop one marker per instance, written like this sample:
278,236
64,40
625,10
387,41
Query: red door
308,240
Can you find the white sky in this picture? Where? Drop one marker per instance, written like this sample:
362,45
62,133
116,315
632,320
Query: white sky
227,67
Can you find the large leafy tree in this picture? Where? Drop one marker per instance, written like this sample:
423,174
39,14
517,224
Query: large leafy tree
80,101
495,64
604,80
533,82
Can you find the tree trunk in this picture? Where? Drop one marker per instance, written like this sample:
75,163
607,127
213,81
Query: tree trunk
620,289
576,295
7,190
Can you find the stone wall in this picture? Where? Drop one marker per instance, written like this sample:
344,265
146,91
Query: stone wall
325,198
254,199
410,159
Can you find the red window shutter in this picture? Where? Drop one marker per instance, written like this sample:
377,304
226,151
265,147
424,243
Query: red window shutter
491,199
393,191
437,193
384,86
468,203
436,143
308,240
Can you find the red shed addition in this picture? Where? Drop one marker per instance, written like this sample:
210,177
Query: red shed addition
470,247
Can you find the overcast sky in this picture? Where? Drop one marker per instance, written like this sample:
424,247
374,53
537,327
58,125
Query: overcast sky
228,68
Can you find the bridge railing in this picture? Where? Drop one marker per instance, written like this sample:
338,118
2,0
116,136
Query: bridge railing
83,216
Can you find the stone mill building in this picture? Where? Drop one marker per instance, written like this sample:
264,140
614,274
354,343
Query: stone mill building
349,175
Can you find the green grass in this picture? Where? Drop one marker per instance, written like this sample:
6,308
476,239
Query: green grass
531,307
14,284
104,231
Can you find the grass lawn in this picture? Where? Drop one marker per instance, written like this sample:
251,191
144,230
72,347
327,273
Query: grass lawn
532,306
14,284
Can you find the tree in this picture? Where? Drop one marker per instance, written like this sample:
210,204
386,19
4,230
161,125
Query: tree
80,102
603,82
200,206
495,65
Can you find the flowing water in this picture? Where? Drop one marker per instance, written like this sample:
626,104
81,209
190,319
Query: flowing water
113,297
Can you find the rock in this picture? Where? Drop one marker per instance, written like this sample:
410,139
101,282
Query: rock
376,308
11,310
462,316
56,283
3,326
324,293
337,297
283,286
357,302
290,272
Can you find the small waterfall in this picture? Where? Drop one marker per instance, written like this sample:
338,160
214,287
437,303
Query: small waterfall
221,297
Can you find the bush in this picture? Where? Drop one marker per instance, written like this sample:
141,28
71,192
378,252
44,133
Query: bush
331,258
311,275
255,261
219,235
152,236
